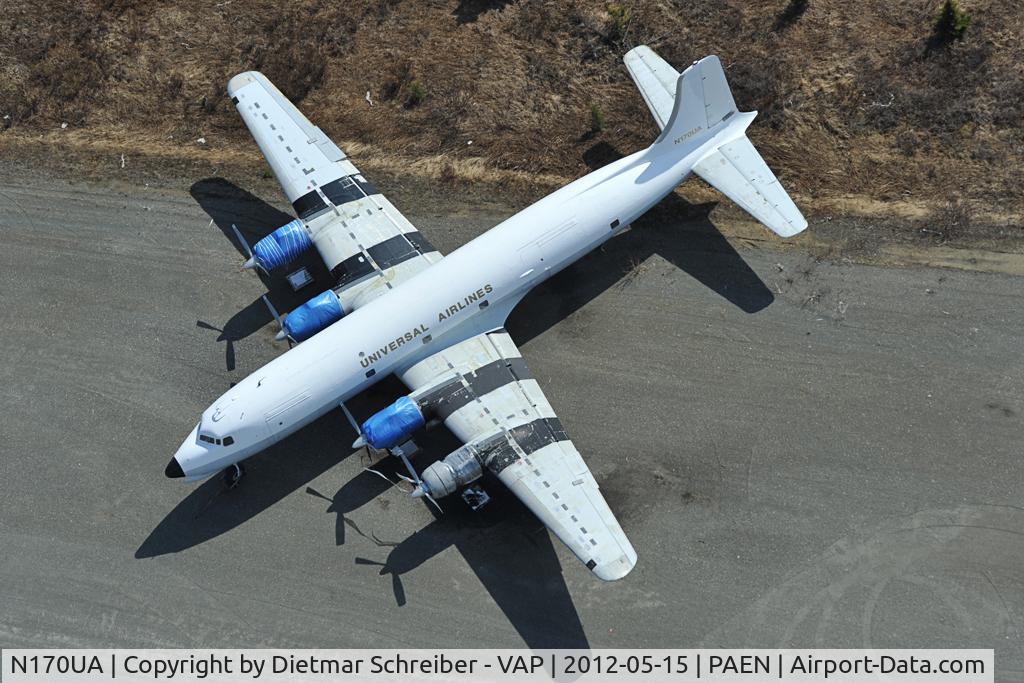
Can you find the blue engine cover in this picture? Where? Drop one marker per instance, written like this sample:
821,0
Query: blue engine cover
394,424
313,316
282,246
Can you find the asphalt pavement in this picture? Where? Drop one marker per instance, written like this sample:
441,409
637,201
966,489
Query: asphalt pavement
804,453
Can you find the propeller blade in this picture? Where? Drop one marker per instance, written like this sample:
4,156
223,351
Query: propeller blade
273,311
282,331
431,499
420,490
251,262
408,466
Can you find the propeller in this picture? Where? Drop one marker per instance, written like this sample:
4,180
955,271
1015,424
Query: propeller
419,488
282,332
252,262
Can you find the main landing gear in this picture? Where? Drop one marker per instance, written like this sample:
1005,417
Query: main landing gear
231,476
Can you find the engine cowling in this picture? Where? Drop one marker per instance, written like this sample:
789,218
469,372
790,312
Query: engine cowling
393,425
447,476
314,315
282,246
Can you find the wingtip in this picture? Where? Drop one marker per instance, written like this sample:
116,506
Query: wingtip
239,81
616,569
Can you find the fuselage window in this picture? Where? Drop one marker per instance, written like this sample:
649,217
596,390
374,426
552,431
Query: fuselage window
228,440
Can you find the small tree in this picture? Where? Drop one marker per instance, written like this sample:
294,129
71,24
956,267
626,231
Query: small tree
951,21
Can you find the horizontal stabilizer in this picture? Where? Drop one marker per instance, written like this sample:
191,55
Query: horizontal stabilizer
736,170
656,80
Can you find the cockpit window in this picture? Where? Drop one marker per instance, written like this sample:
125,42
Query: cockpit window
228,440
206,438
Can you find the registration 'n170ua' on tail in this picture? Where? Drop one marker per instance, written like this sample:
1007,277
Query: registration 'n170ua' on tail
437,322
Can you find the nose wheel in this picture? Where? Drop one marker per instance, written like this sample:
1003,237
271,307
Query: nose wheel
231,476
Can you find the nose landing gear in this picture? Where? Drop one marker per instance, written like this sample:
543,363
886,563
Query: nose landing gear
231,476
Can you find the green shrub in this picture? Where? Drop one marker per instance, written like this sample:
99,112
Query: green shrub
951,21
618,22
415,95
596,118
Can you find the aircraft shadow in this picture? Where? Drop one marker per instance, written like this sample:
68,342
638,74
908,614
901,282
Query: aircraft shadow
210,510
250,319
505,545
676,230
226,203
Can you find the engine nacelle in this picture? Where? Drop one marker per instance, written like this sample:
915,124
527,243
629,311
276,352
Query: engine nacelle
447,476
314,315
282,246
393,425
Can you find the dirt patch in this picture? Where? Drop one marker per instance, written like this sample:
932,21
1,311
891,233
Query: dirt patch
855,99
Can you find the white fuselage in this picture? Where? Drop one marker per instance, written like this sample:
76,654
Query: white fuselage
435,308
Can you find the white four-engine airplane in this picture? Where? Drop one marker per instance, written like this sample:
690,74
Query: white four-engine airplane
437,322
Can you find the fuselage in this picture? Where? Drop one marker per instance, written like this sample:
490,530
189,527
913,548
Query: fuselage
470,291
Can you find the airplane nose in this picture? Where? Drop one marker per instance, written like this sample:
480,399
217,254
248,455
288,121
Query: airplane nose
174,470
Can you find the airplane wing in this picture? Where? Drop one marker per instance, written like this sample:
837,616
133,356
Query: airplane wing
486,395
366,243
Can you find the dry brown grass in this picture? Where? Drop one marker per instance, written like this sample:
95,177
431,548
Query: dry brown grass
854,99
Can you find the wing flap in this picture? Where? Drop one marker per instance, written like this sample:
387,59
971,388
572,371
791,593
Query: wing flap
737,170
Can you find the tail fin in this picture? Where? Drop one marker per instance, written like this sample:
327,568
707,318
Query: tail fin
702,104
702,101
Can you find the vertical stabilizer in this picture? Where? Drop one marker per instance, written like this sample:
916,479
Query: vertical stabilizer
702,102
